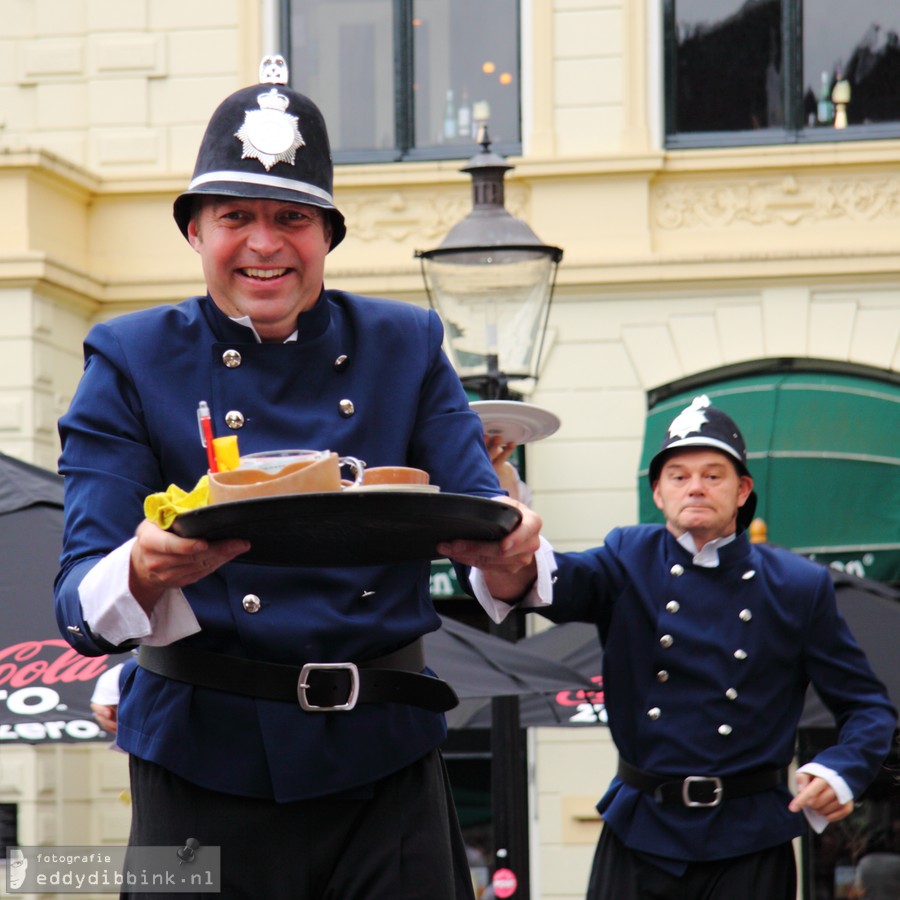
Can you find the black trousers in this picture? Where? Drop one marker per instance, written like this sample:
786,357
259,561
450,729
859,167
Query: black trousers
619,873
401,843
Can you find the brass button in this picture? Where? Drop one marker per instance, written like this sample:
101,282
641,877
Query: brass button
673,606
234,419
251,603
231,358
666,641
347,408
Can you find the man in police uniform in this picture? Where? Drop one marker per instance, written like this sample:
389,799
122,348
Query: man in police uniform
306,799
709,644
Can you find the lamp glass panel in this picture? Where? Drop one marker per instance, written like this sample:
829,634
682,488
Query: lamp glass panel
492,307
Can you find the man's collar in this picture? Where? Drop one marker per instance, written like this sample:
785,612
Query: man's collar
708,556
247,322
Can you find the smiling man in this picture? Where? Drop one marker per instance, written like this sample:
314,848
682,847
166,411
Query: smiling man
709,645
281,713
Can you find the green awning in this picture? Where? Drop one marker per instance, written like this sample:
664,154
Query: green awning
823,447
444,583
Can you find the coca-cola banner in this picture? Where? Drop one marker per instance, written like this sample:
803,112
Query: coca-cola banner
45,686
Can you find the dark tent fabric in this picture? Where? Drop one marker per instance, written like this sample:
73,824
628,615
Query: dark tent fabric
480,665
574,644
871,609
45,686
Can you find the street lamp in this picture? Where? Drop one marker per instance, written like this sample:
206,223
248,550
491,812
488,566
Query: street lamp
491,281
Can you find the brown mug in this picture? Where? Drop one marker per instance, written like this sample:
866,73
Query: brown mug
386,475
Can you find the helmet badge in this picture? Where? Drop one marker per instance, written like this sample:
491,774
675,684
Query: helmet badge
270,133
690,420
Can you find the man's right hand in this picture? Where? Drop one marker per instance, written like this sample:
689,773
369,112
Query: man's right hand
161,560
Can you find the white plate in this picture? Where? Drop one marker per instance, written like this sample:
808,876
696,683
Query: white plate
417,488
515,421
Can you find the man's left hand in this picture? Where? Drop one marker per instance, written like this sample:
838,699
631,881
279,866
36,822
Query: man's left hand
816,794
508,565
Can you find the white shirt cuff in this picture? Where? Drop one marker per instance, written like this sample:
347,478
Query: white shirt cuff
113,614
106,687
816,820
541,593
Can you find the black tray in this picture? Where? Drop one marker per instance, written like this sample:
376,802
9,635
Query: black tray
349,528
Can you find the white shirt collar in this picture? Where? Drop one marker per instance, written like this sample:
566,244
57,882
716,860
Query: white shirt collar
247,323
708,557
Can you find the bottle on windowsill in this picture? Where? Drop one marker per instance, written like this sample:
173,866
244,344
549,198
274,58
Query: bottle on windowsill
464,116
449,117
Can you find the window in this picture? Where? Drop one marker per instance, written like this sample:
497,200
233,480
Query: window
776,71
404,79
9,825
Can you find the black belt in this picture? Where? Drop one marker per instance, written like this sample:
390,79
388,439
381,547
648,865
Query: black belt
700,790
317,687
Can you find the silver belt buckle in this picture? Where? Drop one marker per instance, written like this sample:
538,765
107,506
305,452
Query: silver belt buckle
302,687
693,779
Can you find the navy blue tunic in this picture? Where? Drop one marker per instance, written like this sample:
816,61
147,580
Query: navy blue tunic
132,430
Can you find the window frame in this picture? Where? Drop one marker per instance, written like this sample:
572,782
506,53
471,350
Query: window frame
404,149
795,131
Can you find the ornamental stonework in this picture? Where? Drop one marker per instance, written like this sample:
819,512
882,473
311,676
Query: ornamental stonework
423,216
784,200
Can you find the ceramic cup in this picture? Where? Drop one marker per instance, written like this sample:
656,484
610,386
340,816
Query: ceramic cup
394,475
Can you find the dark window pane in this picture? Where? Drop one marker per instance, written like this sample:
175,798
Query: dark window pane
728,65
857,42
403,78
9,821
342,56
466,53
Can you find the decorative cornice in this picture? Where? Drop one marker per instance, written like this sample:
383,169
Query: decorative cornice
404,215
786,200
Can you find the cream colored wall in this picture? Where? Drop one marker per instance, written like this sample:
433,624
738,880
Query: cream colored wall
67,796
674,263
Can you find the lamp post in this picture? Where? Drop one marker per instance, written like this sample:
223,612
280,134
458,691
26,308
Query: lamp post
491,280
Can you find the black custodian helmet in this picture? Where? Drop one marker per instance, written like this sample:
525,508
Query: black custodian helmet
702,425
267,143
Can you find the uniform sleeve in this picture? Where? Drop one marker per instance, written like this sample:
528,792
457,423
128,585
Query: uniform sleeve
109,469
448,436
587,582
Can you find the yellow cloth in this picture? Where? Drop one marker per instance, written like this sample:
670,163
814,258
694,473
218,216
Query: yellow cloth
162,508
